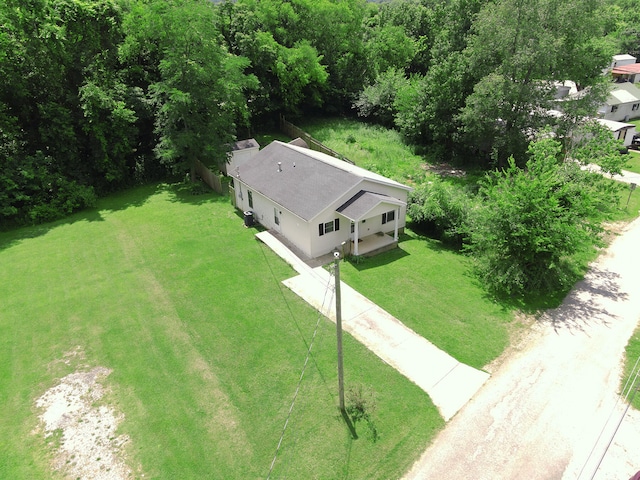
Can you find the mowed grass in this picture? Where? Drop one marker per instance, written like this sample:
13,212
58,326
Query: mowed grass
206,346
633,161
632,353
430,289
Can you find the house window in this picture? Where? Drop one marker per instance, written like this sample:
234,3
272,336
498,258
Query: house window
250,199
329,227
353,227
388,216
276,218
614,108
635,106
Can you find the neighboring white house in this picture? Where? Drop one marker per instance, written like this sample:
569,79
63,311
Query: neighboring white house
627,73
622,104
317,202
622,60
620,131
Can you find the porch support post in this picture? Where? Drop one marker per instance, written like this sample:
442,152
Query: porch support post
355,239
395,231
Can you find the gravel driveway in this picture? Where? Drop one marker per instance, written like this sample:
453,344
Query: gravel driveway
543,412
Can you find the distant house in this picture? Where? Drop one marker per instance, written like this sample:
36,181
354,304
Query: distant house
622,104
620,130
627,73
240,152
317,202
625,69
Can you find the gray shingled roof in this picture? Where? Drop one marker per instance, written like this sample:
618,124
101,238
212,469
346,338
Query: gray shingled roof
363,202
302,184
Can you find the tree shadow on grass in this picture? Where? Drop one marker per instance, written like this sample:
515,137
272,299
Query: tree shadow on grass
132,197
196,193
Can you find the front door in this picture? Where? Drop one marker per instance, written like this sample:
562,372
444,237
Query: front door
276,219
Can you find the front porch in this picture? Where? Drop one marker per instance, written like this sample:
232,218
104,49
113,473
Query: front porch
371,245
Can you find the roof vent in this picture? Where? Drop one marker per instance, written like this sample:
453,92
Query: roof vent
279,166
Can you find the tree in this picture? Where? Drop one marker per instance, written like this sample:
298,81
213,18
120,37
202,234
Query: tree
272,35
416,20
533,220
55,149
623,26
378,101
443,210
593,143
198,89
540,42
428,112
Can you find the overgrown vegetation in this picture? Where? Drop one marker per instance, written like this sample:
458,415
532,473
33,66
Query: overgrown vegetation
443,210
101,94
532,222
632,353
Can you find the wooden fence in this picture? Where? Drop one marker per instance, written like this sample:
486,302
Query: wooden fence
296,132
211,178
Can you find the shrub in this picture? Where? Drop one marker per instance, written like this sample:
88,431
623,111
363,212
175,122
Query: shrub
360,406
533,221
443,210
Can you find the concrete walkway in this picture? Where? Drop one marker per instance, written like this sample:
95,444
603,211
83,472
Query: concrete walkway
626,176
449,383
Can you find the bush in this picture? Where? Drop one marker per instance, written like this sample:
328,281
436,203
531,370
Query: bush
533,221
60,198
31,191
360,406
443,210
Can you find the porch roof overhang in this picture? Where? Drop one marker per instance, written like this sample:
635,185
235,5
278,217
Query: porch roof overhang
358,207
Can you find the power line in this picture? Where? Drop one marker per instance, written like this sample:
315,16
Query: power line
304,367
630,385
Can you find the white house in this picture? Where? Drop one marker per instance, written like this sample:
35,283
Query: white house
622,104
620,130
317,202
622,60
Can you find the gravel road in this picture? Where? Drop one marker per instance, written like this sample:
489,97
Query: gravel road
551,408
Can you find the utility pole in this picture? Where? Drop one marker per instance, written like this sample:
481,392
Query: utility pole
336,276
632,187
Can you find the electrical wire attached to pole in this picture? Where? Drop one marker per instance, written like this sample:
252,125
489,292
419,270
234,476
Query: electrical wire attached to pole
304,367
629,391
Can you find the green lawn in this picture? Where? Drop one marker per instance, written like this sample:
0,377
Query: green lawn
173,294
431,290
632,354
633,161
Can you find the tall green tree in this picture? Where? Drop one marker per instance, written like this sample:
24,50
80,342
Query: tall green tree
533,220
197,89
271,34
55,158
428,112
518,50
417,20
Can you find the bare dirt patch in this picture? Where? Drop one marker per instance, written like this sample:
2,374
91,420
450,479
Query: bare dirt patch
444,169
87,445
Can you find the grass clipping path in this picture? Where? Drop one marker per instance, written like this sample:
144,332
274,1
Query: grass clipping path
88,446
